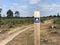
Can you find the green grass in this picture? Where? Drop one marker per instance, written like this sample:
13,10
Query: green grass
57,21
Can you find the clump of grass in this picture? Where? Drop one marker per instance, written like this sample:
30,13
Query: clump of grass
54,31
57,21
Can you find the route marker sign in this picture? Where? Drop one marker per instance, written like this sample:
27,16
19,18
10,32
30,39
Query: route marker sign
36,20
36,28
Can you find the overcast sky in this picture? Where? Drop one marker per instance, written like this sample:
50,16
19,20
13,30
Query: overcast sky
27,7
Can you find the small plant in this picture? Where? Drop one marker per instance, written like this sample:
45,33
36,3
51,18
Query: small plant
1,22
54,31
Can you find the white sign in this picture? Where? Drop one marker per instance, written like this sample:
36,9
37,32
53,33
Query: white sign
37,14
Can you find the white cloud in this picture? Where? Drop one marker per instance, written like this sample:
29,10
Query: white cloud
0,6
15,4
33,1
20,6
49,6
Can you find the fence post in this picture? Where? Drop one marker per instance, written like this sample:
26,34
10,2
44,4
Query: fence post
36,28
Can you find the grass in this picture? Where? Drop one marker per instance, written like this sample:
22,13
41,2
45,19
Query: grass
57,21
14,22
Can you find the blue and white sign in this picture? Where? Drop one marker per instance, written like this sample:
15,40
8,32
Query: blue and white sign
36,20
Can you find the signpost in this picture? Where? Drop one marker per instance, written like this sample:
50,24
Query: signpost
36,28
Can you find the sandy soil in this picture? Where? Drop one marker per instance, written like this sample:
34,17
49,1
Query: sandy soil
25,38
52,39
14,34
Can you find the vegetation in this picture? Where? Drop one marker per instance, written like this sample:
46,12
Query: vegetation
55,17
13,22
9,14
57,21
10,21
17,14
0,12
42,19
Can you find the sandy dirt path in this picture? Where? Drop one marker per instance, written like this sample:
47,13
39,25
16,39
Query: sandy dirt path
46,24
10,37
46,34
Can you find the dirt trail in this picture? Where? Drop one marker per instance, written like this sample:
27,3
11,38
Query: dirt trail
46,24
48,21
10,37
44,27
46,34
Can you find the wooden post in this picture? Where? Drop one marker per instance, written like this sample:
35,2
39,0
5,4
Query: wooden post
36,28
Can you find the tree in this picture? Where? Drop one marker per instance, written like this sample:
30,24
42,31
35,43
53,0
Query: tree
58,15
17,14
54,15
0,15
50,16
9,14
0,12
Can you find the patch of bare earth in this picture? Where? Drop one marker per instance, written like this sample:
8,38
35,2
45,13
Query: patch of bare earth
46,37
5,34
25,38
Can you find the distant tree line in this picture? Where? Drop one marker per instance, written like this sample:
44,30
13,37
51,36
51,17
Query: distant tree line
58,15
51,16
10,13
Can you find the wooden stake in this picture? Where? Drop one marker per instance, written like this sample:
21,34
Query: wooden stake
36,28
